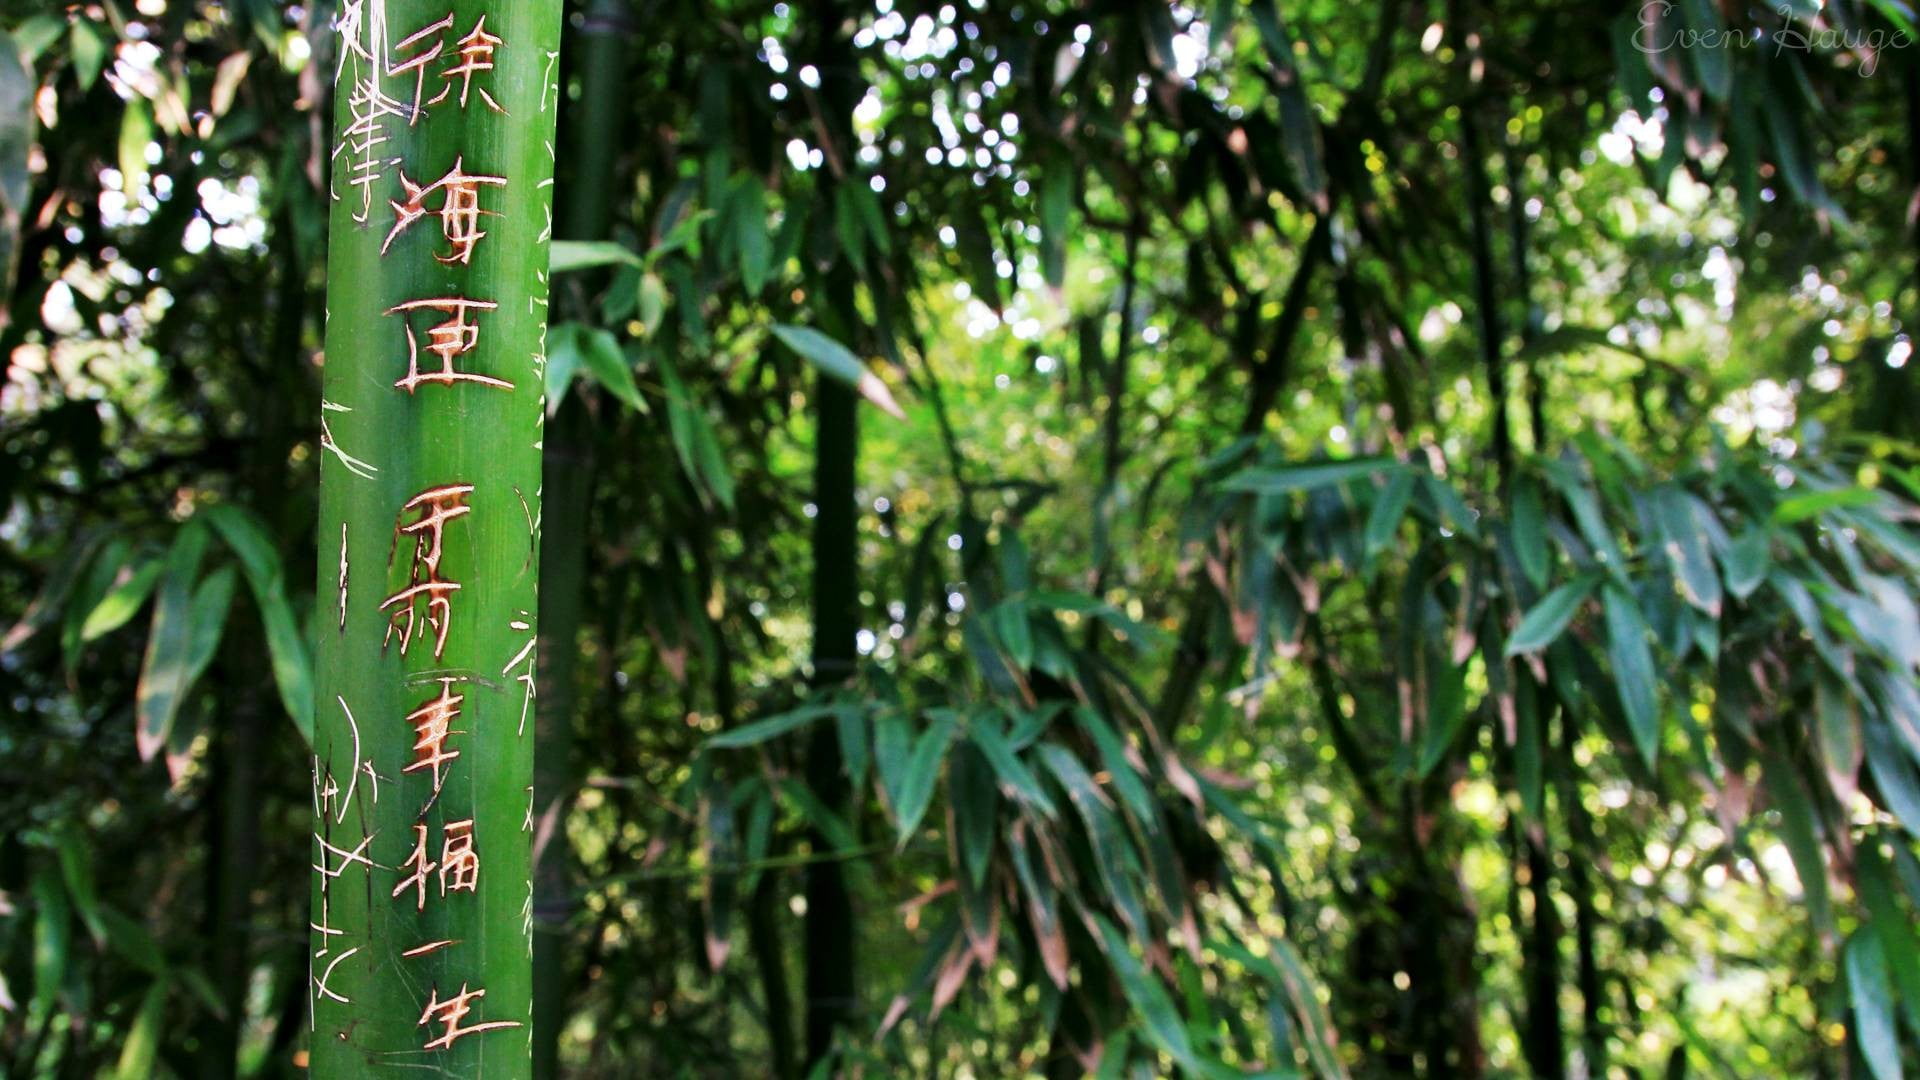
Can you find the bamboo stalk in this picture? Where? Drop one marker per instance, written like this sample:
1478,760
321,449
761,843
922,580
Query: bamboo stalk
429,536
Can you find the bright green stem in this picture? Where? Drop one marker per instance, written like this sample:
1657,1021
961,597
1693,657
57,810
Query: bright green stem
429,537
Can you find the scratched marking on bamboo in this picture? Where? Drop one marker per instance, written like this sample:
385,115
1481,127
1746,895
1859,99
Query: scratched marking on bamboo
523,660
354,465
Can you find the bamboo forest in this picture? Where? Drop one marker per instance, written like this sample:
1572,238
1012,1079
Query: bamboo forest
970,539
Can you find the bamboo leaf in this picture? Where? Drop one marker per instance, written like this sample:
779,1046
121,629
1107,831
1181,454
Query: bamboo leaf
1389,509
1015,778
1871,994
1633,672
1893,926
1160,1019
1056,203
917,780
121,603
1801,833
1679,515
570,255
1543,624
141,1052
770,728
1745,562
1530,531
598,353
76,870
287,649
52,938
850,724
89,52
835,360
1446,711
62,578
1799,508
749,217
1308,477
164,676
971,795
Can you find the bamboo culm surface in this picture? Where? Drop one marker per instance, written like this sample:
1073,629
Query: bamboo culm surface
441,180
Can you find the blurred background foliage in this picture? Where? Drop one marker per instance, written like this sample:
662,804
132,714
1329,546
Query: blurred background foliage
1106,538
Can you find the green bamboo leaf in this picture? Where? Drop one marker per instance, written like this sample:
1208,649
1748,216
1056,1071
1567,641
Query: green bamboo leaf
286,648
136,133
35,34
131,941
62,578
971,795
1308,477
89,52
76,871
1389,509
141,1052
1446,711
1113,856
570,255
770,728
164,676
892,753
1745,562
52,938
602,358
1113,755
106,571
1871,994
1798,508
1454,509
121,603
1895,778
1530,531
1801,833
751,243
1893,926
1015,778
1543,624
1015,632
850,723
834,360
1679,516
1160,1019
1056,204
212,600
917,780
1633,672
694,441
1301,140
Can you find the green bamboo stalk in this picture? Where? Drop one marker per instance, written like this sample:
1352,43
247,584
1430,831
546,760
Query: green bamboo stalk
429,536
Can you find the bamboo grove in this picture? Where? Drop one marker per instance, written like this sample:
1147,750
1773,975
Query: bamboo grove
1112,539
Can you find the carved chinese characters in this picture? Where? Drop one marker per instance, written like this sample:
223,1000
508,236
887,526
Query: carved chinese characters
430,464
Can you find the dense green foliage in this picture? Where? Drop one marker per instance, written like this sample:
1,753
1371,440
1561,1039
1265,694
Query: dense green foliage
1321,539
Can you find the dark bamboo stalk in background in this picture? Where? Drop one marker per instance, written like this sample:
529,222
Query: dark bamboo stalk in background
828,939
588,200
